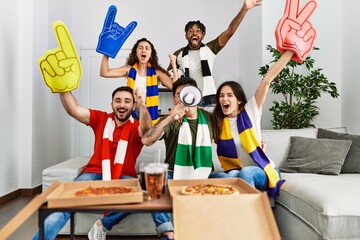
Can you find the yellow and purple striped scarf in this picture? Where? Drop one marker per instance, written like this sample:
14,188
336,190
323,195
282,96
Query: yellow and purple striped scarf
229,160
152,91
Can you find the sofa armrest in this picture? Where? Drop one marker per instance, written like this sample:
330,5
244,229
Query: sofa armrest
65,171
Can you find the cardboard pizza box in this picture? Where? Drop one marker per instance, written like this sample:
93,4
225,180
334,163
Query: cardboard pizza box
63,195
244,216
25,213
175,186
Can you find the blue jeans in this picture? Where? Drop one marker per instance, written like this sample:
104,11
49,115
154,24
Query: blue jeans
253,175
162,219
56,221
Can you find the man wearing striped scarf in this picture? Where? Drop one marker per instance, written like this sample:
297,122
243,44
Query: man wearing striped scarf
188,134
117,140
196,60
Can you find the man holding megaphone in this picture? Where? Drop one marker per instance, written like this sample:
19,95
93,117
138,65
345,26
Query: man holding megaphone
187,132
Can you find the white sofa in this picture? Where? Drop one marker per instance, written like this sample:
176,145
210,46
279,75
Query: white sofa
310,206
313,206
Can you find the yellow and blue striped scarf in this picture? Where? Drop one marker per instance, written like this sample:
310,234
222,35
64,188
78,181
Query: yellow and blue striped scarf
229,160
152,91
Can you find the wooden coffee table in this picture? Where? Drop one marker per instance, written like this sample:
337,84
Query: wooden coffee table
164,204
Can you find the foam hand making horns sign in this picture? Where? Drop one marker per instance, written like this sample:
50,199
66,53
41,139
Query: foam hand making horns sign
61,67
113,35
295,31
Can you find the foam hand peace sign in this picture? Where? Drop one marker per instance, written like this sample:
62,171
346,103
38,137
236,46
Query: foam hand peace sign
61,67
295,31
113,35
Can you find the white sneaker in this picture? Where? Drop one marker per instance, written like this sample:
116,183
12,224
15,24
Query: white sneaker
97,232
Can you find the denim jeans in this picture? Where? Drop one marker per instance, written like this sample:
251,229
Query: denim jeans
253,175
56,221
162,219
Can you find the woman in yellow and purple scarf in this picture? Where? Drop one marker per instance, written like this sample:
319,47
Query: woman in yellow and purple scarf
238,133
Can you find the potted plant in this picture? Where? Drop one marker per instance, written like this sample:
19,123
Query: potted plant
300,92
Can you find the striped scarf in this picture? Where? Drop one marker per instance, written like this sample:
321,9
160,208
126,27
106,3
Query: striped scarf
207,58
226,151
189,165
117,164
152,91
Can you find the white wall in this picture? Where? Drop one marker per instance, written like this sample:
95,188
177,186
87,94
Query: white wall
36,131
9,104
350,64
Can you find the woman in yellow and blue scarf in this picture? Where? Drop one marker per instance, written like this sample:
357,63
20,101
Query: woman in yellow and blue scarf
142,70
238,133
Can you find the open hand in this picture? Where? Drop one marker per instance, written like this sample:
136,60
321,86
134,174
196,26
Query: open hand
113,36
252,3
61,67
295,31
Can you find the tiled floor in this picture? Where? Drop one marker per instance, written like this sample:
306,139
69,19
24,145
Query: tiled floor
26,231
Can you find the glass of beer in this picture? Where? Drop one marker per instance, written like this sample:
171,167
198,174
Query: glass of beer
142,175
154,180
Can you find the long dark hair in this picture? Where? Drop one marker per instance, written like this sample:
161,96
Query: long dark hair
218,115
154,60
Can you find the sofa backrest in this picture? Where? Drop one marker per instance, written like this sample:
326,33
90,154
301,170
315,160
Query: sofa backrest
278,141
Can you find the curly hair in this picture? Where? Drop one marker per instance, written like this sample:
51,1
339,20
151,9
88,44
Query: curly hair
154,60
198,23
218,115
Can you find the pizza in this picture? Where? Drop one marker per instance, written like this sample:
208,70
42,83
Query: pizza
98,191
209,189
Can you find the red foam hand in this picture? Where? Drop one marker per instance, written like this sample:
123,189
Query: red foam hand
295,31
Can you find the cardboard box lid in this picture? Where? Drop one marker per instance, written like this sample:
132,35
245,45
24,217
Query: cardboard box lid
63,195
26,212
244,216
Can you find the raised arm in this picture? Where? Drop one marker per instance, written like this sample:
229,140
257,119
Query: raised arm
154,133
164,79
174,67
107,72
275,69
73,108
225,36
145,118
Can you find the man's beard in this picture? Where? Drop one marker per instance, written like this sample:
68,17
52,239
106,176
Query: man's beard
122,119
196,46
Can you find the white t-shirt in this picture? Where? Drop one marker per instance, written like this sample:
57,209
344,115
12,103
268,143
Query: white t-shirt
255,117
140,82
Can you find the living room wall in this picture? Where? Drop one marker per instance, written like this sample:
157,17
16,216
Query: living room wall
36,131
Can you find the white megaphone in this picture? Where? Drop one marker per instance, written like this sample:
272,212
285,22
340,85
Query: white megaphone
190,96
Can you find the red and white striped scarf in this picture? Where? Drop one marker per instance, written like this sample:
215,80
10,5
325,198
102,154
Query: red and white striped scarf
117,164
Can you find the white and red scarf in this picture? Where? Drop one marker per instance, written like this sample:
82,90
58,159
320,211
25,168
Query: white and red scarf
116,165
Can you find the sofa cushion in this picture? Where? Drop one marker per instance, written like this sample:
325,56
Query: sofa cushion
330,207
65,171
352,160
323,156
278,141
